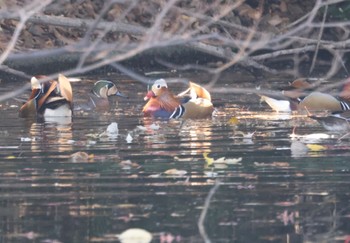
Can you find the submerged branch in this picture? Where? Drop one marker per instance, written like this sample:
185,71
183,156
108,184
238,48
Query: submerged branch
201,219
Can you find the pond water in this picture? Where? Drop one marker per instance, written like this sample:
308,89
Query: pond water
74,182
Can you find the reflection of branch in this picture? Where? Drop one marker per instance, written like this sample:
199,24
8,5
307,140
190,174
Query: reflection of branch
201,219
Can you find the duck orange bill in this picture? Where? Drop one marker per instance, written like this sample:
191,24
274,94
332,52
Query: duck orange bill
149,95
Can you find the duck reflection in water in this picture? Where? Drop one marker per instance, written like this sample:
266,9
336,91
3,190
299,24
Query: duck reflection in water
51,137
177,137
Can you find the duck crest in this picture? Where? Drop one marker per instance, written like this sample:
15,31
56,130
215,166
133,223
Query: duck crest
199,91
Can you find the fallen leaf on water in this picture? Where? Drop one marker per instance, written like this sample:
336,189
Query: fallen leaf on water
183,159
208,160
129,138
29,235
112,129
128,164
95,135
274,164
27,139
175,172
316,147
229,161
81,157
135,235
222,160
233,121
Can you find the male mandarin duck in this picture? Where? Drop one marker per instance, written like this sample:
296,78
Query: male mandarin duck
162,103
317,101
290,97
52,98
101,93
314,101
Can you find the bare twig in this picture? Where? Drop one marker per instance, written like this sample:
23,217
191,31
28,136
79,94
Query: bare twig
318,40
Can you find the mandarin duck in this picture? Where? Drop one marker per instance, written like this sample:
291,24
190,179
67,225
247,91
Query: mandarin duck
317,101
289,98
101,94
49,99
195,102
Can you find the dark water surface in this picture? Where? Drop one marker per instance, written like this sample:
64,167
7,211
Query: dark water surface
75,182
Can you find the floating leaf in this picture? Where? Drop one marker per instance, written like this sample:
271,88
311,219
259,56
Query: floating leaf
208,160
27,139
135,235
129,138
233,161
128,164
222,160
273,164
175,172
112,129
316,147
183,159
233,121
81,157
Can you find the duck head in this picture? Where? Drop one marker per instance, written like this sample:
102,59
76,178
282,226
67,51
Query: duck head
161,102
158,88
104,89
